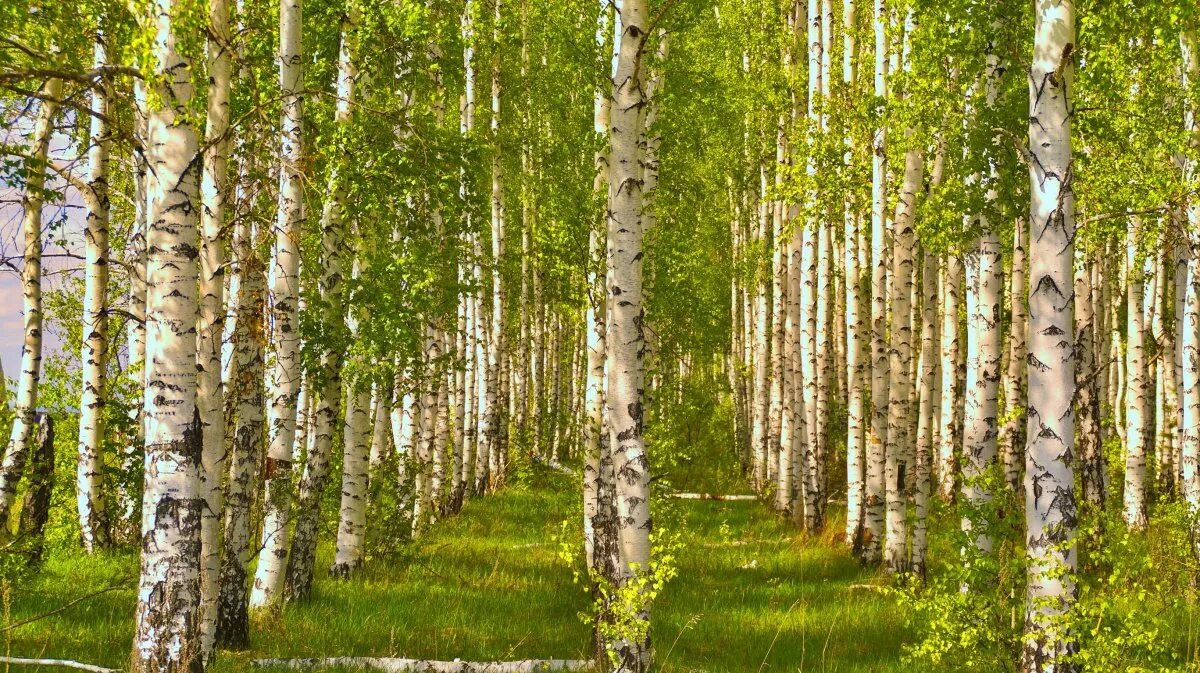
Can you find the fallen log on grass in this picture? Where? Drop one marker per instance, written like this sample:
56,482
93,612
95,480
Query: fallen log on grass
399,665
65,663
712,496
553,465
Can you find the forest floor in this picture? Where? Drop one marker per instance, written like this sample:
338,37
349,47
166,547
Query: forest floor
752,593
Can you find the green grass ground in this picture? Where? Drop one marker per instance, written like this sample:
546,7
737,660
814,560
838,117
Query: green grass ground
751,594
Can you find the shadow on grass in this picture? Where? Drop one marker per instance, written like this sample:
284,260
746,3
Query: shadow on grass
488,584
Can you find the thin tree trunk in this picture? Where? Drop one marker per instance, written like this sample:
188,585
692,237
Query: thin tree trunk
925,412
1137,387
94,356
25,405
494,417
284,376
328,381
1090,449
948,427
873,516
233,622
984,279
1012,435
626,340
210,395
135,259
900,363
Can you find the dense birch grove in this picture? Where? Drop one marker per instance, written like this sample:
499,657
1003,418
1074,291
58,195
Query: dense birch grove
299,281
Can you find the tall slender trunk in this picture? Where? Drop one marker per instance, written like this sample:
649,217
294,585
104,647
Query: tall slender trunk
167,619
284,377
855,320
210,393
328,381
1012,435
900,363
760,434
925,412
135,258
1137,386
826,381
25,405
475,363
494,416
948,427
1189,462
599,532
873,516
1050,509
626,340
984,279
246,449
1090,449
94,355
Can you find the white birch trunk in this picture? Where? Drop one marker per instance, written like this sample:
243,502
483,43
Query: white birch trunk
210,393
1050,508
873,516
900,363
246,448
328,381
494,417
25,404
925,413
1137,387
596,481
626,340
980,429
94,355
948,427
1091,451
1012,436
284,375
167,619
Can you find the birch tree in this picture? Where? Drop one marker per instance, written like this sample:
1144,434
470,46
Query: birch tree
284,368
317,466
167,619
25,404
625,339
94,356
210,393
1050,507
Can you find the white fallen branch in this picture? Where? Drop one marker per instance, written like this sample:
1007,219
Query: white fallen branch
398,665
65,663
553,464
712,496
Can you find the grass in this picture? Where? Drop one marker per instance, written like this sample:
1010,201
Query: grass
752,594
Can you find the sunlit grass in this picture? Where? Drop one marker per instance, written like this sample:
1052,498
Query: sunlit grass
489,584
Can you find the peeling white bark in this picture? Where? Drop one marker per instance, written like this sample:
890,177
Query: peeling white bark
284,367
167,621
25,404
1050,507
94,355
